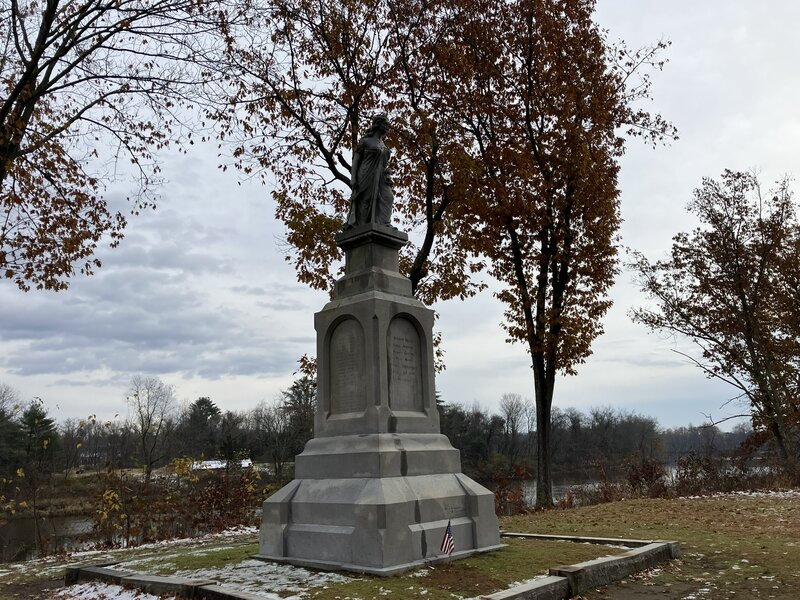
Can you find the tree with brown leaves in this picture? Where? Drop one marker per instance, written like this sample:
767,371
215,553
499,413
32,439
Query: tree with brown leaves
732,287
88,87
311,75
544,96
507,136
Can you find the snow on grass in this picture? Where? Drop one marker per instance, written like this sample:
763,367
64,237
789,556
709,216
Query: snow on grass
166,561
525,581
103,591
266,579
777,494
52,566
269,581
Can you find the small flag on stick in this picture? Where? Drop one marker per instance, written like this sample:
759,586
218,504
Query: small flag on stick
448,541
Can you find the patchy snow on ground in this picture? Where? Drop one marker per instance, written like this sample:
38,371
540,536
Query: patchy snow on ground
777,494
165,561
266,579
54,565
270,581
103,591
525,581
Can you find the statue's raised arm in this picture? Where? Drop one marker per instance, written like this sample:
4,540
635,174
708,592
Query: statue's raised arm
372,197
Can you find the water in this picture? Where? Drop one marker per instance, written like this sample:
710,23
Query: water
18,536
560,489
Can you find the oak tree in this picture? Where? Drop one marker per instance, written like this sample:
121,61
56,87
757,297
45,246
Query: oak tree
547,101
310,75
732,287
91,90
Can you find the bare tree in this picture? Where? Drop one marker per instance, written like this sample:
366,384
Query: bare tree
9,430
530,427
274,427
9,398
512,409
72,433
151,402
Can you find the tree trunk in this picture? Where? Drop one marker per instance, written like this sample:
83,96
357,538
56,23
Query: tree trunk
543,390
543,378
786,453
36,529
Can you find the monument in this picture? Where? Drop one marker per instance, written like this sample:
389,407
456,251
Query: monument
376,487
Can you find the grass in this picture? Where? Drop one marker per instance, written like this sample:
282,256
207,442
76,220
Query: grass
192,559
733,546
483,574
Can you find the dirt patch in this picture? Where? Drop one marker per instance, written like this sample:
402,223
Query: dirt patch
457,577
638,591
38,590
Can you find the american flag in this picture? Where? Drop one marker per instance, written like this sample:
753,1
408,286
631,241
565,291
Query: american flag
448,541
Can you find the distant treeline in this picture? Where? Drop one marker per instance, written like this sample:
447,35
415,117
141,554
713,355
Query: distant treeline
274,432
583,442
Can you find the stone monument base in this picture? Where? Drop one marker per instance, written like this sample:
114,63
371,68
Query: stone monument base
380,526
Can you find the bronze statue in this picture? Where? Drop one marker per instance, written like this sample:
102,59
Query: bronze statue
372,196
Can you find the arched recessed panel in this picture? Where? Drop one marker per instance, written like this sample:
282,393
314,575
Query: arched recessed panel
405,366
348,390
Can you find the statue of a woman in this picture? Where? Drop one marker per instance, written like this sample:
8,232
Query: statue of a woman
372,196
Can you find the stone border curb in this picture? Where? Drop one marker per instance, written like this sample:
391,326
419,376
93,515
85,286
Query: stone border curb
579,539
546,588
572,580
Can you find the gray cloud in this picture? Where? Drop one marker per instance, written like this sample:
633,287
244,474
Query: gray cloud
153,307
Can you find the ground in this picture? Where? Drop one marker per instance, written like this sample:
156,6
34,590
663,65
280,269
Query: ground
734,546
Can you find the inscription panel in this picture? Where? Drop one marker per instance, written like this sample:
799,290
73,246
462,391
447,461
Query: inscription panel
405,366
348,387
454,508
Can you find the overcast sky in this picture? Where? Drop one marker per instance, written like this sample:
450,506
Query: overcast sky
199,293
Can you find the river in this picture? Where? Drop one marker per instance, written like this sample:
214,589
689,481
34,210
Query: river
18,536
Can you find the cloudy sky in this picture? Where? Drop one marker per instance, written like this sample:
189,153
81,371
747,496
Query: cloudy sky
199,293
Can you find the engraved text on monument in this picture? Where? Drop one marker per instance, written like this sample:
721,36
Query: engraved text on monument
405,366
348,386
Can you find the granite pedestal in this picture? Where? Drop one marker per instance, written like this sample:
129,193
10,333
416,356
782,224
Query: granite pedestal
375,488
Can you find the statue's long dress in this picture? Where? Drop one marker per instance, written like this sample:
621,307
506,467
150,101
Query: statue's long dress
372,195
